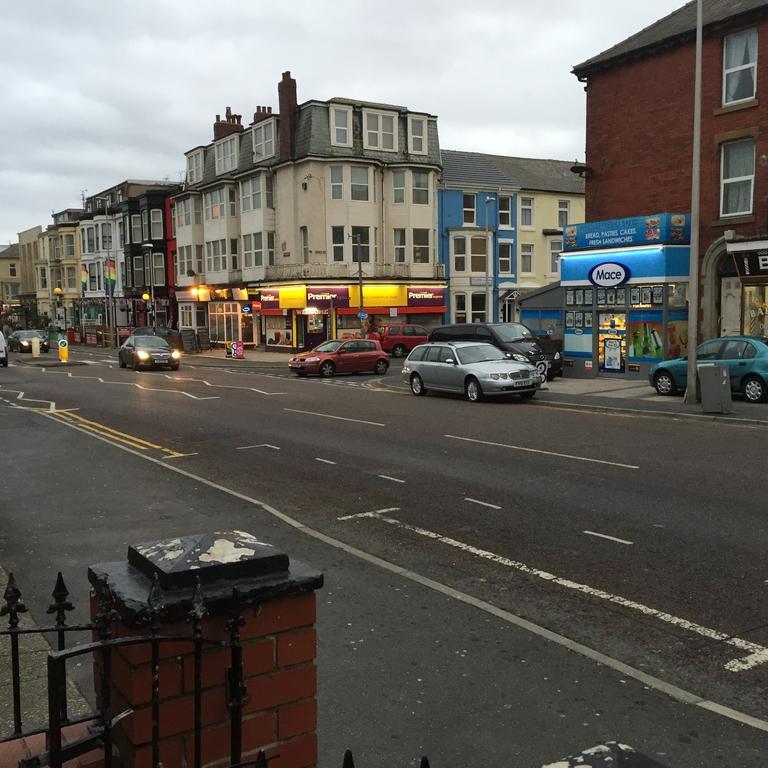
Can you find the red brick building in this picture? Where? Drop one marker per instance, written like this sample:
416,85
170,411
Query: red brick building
640,136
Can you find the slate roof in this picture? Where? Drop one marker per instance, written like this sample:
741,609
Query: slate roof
11,252
518,172
473,168
679,26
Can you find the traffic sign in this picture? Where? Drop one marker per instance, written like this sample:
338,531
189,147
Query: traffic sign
63,344
362,315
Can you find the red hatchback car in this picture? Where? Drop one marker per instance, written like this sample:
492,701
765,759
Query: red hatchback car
350,356
400,339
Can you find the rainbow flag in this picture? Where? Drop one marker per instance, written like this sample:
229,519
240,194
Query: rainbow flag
83,278
110,277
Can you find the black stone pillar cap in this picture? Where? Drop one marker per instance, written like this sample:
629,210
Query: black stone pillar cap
222,561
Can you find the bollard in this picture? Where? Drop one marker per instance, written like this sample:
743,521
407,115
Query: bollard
63,351
35,346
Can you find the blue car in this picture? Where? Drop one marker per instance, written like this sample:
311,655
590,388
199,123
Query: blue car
745,356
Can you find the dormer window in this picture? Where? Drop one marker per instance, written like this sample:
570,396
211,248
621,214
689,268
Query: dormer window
341,126
379,130
417,135
263,140
195,167
226,155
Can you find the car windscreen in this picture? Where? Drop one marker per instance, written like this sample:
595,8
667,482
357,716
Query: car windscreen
513,332
329,346
151,342
479,353
30,335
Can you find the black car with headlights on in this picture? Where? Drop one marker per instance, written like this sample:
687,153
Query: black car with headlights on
21,341
148,352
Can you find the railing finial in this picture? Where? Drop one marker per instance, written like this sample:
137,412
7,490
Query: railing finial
14,605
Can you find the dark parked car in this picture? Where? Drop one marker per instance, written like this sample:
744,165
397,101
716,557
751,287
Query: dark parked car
148,352
745,356
352,356
172,336
399,339
519,341
21,341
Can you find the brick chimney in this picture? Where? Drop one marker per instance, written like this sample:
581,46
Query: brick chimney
262,113
230,124
286,90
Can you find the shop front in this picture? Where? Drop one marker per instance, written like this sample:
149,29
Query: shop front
744,293
303,316
625,308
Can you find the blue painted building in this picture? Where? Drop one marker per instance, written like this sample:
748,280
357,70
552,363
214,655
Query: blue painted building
477,215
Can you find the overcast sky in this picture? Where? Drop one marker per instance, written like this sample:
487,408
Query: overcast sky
93,93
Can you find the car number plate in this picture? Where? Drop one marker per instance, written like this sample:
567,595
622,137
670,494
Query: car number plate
525,383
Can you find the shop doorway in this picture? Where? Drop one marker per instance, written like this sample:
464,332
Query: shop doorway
224,321
313,330
612,342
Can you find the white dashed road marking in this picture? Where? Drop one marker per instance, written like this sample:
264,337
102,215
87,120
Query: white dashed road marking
545,453
338,418
260,445
393,479
324,461
609,538
481,503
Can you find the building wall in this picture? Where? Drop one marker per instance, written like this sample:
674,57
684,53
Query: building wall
639,146
10,283
28,254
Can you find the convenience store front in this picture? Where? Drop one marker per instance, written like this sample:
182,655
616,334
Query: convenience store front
625,308
301,316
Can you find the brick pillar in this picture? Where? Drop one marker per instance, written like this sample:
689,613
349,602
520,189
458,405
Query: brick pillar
278,641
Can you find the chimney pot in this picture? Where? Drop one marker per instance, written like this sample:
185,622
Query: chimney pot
229,113
218,118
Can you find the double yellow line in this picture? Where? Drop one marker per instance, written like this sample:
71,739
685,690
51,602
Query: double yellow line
114,435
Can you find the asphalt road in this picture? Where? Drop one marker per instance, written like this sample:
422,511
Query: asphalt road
639,538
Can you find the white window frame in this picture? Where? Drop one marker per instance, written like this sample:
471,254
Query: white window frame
529,208
470,255
563,207
505,212
413,139
304,240
263,134
414,188
554,265
353,184
155,224
347,127
739,68
379,132
195,167
505,262
466,209
462,317
216,255
482,315
365,247
398,187
454,255
225,154
338,240
338,185
735,179
220,203
250,194
418,248
399,245
530,250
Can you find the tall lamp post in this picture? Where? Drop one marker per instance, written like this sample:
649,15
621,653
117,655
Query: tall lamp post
149,297
490,255
357,243
57,292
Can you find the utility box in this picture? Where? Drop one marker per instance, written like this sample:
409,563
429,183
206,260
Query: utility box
715,388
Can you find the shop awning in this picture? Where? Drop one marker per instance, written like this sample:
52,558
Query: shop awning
646,264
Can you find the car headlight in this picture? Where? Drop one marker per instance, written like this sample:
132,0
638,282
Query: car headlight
406,369
520,358
142,355
309,360
494,376
175,354
24,343
503,375
557,355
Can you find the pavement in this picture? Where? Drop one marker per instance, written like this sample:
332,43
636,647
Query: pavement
506,581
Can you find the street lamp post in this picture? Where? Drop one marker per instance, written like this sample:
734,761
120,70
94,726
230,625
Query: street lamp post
147,248
57,292
357,241
490,253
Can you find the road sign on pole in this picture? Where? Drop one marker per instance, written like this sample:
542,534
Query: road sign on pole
362,315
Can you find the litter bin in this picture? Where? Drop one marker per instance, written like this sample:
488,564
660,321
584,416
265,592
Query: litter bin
715,388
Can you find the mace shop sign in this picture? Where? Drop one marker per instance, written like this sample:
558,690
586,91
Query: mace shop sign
656,229
609,275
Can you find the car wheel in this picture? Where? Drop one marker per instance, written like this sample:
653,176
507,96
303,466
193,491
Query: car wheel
381,367
754,389
398,350
417,385
664,384
327,369
472,390
527,395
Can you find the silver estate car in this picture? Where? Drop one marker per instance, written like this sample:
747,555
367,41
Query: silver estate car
474,369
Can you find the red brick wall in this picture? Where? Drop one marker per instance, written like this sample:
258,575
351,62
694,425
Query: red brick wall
639,137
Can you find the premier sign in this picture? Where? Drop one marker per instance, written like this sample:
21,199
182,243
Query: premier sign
609,275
